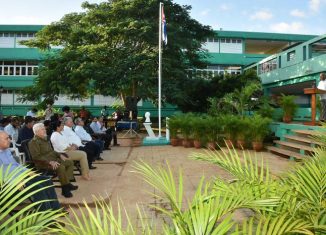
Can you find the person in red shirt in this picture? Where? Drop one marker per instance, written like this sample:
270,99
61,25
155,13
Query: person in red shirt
83,113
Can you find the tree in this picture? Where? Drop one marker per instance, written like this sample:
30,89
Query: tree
112,49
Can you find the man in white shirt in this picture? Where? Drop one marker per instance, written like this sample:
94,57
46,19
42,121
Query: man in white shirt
12,129
322,86
86,137
90,148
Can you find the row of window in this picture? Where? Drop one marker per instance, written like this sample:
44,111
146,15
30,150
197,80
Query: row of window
18,68
210,73
18,35
315,49
224,40
10,97
23,62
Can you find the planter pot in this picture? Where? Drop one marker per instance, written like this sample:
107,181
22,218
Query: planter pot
241,144
257,146
174,141
197,144
287,119
187,143
211,145
229,143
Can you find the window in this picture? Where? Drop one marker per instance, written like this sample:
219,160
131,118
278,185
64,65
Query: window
223,40
279,62
304,53
210,39
18,68
268,66
239,41
291,55
227,40
317,48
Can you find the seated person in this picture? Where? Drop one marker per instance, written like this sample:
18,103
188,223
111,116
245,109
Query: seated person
42,151
12,129
61,145
26,132
6,160
85,137
106,136
92,150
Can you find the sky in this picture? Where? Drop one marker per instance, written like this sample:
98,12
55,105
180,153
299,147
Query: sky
281,16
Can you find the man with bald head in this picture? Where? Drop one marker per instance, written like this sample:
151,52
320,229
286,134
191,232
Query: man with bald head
7,161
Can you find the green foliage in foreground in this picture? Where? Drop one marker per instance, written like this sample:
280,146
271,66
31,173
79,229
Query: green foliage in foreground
294,203
26,220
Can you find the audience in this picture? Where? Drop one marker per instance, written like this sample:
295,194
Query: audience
86,137
103,135
91,149
61,145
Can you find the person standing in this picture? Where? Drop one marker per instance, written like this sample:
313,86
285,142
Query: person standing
322,87
48,113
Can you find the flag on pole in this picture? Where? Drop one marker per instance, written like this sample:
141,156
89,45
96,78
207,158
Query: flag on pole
164,34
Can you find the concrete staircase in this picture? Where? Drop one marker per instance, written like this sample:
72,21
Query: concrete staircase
298,146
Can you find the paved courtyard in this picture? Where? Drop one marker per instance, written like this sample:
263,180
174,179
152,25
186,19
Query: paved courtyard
114,180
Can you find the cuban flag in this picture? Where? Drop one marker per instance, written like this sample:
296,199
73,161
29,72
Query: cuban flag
164,34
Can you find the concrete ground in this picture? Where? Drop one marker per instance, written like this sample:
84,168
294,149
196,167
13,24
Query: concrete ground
115,180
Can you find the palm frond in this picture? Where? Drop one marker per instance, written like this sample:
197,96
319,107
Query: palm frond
100,220
13,193
283,224
245,168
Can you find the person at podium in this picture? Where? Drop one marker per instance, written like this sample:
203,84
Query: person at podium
322,86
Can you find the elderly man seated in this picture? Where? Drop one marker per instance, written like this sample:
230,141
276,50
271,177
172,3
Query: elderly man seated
91,149
86,137
47,193
42,151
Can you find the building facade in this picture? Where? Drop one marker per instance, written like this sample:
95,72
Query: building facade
294,69
229,52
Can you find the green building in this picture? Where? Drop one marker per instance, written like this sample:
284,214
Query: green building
229,51
295,68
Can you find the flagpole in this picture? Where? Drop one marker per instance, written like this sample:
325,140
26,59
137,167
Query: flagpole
159,70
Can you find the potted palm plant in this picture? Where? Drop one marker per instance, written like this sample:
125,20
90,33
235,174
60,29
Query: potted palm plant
186,130
174,125
212,129
259,129
288,106
242,131
198,127
229,129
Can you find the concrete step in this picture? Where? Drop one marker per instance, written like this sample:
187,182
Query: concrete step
307,140
307,132
286,152
294,145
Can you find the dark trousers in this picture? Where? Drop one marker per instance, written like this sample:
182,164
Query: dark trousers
45,194
100,144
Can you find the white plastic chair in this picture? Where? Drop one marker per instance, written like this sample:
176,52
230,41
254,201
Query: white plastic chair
19,155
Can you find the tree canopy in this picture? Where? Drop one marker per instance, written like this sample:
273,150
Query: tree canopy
112,49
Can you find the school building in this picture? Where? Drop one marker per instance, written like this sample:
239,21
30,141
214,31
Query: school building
229,52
